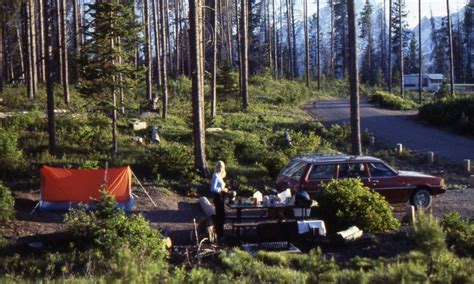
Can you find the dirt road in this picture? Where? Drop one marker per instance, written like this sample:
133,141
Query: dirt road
392,127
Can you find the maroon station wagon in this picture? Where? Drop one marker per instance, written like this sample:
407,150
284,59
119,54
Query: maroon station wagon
310,172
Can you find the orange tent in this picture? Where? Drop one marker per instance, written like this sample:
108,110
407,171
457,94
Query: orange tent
60,188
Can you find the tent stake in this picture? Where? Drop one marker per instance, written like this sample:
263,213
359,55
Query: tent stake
144,190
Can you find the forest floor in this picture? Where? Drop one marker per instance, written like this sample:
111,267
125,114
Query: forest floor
175,213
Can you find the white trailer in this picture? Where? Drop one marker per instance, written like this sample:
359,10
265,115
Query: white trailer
430,82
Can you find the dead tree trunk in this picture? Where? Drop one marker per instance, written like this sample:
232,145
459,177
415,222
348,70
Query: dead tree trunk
290,52
306,42
318,48
59,41
164,60
49,77
41,48
244,50
197,74
213,62
64,65
451,63
156,38
354,80
400,31
148,64
389,83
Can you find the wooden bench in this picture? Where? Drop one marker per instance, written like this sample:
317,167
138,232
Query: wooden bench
243,226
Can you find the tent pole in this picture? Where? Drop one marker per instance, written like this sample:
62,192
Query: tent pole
36,207
144,190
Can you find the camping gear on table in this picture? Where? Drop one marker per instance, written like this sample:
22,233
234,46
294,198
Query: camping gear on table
62,189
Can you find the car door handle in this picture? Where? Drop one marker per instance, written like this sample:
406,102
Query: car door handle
374,181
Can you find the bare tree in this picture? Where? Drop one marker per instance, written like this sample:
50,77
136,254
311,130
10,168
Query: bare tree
306,43
49,76
289,38
400,31
318,46
244,54
389,83
64,56
450,39
41,43
164,59
148,64
332,38
156,38
197,74
420,66
213,63
354,80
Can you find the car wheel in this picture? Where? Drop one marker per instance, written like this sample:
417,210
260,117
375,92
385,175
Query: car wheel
421,198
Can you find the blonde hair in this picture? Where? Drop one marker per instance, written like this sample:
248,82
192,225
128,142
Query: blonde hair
220,169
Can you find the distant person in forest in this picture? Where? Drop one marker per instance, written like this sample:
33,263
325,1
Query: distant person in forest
218,189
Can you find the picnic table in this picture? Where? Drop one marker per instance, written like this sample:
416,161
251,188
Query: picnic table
270,211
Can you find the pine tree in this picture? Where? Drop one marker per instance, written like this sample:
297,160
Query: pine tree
411,59
366,30
399,37
111,33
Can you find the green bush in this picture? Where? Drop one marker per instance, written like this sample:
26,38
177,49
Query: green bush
459,234
243,266
391,101
108,229
6,205
171,160
428,234
347,202
12,156
456,113
274,162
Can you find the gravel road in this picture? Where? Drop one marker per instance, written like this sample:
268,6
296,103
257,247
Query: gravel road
392,127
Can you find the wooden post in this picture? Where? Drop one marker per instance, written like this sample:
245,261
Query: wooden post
399,148
467,165
430,157
372,141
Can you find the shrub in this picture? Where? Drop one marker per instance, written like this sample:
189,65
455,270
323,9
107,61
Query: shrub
11,154
242,265
456,113
347,202
6,204
108,229
459,234
391,101
428,234
275,162
173,160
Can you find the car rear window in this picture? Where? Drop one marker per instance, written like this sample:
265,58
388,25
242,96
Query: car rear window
294,169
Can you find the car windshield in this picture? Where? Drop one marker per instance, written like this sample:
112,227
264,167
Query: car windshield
294,169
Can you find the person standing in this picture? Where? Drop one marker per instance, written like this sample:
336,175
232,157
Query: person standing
217,190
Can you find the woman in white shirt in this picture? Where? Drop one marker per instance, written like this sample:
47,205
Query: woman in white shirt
217,188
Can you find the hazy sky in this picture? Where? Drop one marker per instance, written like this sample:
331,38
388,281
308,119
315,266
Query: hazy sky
437,6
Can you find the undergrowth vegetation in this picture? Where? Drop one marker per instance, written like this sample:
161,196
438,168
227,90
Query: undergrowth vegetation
387,100
455,113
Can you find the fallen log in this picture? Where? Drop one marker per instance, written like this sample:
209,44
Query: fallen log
351,234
